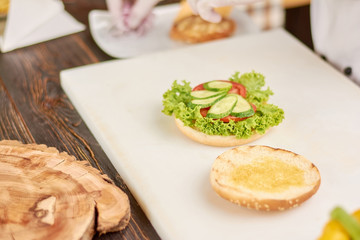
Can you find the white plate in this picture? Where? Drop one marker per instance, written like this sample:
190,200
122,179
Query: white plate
156,39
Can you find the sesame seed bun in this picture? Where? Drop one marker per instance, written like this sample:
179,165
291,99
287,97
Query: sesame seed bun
264,178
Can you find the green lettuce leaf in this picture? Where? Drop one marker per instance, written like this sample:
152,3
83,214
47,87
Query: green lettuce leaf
253,83
176,99
177,94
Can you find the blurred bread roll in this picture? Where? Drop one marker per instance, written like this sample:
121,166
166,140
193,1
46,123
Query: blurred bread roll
191,28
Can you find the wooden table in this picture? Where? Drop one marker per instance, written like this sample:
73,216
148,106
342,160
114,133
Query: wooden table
34,108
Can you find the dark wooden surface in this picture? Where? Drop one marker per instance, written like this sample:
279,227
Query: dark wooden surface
34,108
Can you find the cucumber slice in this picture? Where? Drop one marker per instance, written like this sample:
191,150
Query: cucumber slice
207,102
217,86
242,108
223,107
203,94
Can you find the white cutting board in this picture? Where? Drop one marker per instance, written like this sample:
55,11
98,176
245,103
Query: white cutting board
121,102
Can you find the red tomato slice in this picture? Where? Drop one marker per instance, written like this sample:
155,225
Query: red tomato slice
237,88
204,111
199,87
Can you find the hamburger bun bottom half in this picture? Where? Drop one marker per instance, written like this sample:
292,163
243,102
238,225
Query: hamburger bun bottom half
264,178
214,140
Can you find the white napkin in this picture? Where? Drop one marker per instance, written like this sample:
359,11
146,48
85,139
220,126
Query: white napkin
335,28
157,39
33,21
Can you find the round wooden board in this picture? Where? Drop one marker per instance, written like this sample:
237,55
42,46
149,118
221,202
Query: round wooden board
49,195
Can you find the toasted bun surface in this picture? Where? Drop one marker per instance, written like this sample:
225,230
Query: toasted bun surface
193,29
213,140
264,178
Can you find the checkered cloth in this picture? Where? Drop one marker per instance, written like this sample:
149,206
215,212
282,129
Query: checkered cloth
266,14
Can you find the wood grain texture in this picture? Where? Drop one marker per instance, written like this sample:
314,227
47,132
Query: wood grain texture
34,108
11,122
47,194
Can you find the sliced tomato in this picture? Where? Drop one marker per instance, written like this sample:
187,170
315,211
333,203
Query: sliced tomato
237,88
199,87
204,111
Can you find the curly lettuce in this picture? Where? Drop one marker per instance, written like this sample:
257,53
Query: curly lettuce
179,93
254,82
176,102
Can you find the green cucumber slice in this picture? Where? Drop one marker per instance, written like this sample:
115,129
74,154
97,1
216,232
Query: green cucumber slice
223,107
203,94
217,86
206,102
242,108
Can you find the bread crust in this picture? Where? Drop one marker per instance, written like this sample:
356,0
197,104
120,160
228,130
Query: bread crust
214,140
267,201
193,29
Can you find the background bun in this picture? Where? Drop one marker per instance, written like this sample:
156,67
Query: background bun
213,140
264,178
193,29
